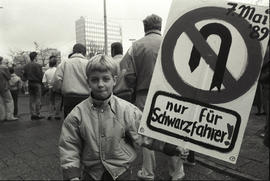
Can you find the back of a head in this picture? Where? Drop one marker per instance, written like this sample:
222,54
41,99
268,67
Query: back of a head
52,61
11,70
79,48
101,63
116,48
152,22
33,55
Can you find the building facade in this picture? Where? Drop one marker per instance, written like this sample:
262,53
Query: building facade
90,33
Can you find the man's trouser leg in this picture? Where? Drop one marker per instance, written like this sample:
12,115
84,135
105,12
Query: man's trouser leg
34,98
38,99
51,102
148,165
14,94
32,105
176,168
9,104
2,109
57,104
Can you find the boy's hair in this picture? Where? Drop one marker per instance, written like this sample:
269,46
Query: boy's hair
52,61
101,63
116,48
11,70
152,22
79,48
33,55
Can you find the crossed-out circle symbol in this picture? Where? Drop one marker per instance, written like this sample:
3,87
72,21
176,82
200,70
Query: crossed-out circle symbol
233,88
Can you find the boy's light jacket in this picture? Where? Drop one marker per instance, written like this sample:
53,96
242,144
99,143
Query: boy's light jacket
95,137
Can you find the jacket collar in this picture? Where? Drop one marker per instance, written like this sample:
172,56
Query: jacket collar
102,104
77,55
153,31
118,56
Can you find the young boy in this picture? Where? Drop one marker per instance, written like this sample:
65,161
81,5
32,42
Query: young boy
93,134
47,80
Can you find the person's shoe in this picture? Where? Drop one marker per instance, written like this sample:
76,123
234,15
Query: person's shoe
57,117
13,119
186,162
141,176
40,117
260,113
34,117
262,135
181,178
49,118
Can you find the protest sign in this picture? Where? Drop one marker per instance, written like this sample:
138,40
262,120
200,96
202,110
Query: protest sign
206,75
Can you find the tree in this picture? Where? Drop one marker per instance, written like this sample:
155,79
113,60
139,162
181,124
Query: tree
45,53
19,57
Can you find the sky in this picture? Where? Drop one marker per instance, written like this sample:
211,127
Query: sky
51,23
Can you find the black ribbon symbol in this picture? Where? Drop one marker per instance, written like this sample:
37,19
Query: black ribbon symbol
226,40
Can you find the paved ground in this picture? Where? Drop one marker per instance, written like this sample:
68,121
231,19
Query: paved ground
28,151
253,160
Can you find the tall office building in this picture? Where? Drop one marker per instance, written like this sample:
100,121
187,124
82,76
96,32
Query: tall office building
90,33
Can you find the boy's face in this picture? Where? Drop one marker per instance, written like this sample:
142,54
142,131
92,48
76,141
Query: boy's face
101,84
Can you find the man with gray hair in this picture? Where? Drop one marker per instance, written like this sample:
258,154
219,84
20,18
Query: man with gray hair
137,67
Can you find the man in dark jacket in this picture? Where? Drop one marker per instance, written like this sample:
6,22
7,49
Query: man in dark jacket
5,92
33,73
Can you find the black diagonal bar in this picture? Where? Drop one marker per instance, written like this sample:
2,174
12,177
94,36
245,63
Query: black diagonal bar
202,49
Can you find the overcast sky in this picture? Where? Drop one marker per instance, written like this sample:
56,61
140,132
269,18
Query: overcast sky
51,23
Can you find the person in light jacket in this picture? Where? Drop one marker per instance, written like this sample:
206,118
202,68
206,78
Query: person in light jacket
70,79
93,134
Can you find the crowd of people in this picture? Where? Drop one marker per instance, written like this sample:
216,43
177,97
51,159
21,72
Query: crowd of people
103,99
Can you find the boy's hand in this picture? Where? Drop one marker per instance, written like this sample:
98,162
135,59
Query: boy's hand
73,179
183,152
172,150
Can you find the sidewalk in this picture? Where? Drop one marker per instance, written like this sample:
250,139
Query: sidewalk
253,160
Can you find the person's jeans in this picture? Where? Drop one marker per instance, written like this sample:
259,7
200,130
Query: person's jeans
148,164
175,164
34,98
2,109
55,100
14,94
9,104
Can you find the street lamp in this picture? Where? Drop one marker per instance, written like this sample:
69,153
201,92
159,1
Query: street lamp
105,30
